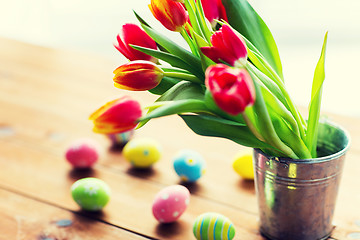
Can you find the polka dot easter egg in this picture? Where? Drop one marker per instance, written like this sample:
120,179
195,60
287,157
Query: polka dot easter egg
243,165
82,153
90,194
189,165
213,226
142,152
170,203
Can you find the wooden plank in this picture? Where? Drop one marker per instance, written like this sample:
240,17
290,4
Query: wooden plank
49,178
44,120
23,218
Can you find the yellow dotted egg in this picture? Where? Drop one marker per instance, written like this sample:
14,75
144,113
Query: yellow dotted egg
142,152
243,165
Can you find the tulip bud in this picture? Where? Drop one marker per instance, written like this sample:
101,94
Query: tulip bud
170,13
119,115
232,88
138,76
214,10
133,34
227,46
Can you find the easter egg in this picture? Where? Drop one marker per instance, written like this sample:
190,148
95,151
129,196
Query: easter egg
90,194
213,226
142,152
243,165
170,203
82,153
189,165
120,139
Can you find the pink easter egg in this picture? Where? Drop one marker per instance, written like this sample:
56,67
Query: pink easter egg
82,153
170,203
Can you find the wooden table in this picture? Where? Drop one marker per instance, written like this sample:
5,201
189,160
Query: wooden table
46,96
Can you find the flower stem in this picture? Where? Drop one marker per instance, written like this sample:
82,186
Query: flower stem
190,42
266,126
183,76
252,127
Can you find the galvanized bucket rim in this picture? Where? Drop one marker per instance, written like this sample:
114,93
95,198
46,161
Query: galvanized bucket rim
314,160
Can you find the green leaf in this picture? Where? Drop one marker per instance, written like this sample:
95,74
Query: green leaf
200,42
206,29
140,19
285,125
183,90
190,7
265,125
267,82
314,109
143,22
176,50
165,84
180,91
173,60
216,127
245,19
177,107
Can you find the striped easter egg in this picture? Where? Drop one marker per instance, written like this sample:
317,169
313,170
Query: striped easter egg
213,226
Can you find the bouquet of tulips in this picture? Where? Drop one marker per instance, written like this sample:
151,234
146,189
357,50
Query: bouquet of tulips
227,83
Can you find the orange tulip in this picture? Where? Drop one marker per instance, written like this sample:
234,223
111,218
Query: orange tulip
171,14
119,115
138,76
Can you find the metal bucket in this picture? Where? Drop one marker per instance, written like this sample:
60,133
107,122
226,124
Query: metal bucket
297,197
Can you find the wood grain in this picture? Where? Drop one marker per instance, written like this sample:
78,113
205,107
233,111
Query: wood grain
23,218
46,96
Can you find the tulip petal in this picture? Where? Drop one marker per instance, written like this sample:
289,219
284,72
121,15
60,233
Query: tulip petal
116,116
234,42
120,46
232,89
133,34
171,14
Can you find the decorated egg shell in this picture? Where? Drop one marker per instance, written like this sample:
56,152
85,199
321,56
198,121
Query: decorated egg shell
142,152
90,194
170,203
120,139
213,226
189,165
243,165
82,153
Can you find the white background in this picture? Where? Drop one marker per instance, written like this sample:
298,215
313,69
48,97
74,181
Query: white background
298,28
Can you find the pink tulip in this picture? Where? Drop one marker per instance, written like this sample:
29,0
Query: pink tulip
171,14
133,34
227,46
138,76
232,88
119,115
214,10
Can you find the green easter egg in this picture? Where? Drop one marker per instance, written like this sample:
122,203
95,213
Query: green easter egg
213,226
90,194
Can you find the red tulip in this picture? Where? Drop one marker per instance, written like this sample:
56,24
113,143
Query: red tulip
119,115
228,46
214,10
133,34
232,88
171,14
138,76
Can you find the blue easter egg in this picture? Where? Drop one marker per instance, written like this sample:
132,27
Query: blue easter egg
189,165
